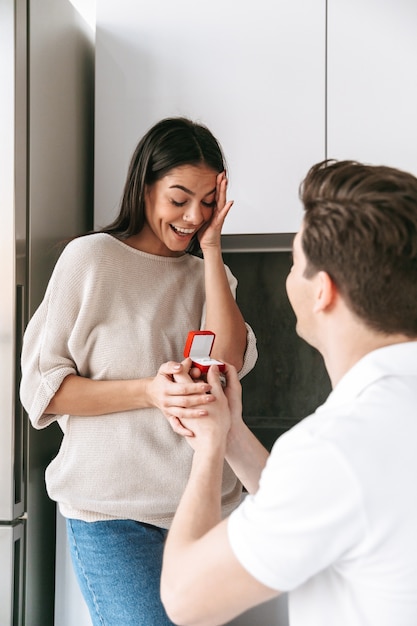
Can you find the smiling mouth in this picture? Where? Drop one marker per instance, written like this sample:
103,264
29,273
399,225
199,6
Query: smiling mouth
183,231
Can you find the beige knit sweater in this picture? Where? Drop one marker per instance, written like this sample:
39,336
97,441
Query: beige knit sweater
113,312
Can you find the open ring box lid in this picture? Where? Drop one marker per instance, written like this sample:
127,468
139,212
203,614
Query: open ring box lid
198,347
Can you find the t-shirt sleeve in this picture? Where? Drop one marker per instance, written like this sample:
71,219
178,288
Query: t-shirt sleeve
307,513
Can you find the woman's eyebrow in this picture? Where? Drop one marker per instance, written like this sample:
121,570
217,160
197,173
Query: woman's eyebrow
192,193
183,189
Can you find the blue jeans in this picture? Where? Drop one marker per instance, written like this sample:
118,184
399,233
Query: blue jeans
118,566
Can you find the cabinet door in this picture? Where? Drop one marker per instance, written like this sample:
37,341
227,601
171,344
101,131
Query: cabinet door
372,81
254,73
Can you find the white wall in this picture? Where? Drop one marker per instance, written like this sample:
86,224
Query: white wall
254,73
371,84
261,77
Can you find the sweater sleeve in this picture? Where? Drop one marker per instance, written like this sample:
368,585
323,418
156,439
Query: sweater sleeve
251,353
46,356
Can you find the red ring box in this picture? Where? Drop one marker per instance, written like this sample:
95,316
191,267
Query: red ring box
198,346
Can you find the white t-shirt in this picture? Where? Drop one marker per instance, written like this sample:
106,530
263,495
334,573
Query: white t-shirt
334,521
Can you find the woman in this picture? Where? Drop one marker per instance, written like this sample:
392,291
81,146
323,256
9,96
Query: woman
119,304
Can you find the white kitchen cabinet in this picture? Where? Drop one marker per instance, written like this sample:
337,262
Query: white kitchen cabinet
253,72
372,82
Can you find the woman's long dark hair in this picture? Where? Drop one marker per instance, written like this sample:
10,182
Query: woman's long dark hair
170,143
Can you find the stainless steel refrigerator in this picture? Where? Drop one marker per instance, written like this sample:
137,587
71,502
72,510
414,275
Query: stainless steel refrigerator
46,153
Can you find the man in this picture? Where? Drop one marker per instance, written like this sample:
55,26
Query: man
332,513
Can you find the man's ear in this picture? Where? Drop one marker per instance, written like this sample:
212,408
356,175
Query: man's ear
325,292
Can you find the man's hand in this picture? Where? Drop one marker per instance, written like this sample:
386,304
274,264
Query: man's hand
212,423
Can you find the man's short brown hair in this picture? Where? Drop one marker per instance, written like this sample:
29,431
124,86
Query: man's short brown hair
360,226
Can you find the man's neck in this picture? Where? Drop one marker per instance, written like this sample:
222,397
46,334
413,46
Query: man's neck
349,345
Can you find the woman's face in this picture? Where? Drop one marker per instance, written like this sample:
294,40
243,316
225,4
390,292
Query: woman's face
176,207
